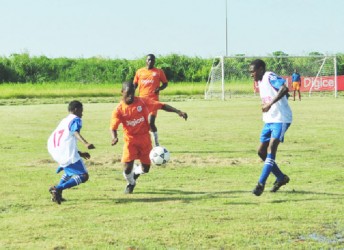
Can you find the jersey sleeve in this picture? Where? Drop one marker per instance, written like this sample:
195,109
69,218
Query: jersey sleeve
152,105
276,81
75,125
136,78
115,119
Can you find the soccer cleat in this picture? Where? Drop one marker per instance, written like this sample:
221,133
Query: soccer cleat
259,189
279,184
55,195
129,189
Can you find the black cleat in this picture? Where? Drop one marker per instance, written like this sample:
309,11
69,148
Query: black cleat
129,189
56,195
279,184
259,189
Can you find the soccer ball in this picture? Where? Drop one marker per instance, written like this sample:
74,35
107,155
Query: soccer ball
159,155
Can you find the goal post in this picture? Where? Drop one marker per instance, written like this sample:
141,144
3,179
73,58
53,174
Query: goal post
230,77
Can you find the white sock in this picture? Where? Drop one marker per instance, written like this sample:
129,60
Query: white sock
138,169
129,178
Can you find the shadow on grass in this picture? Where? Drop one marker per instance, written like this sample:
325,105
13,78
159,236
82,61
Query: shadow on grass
315,196
190,196
213,151
178,195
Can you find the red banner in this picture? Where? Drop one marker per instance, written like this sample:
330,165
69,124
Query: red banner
320,83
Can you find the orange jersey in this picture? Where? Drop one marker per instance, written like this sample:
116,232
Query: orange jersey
134,117
148,80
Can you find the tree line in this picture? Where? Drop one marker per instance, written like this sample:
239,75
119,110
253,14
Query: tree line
23,68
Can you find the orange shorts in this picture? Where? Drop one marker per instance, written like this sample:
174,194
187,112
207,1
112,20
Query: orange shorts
296,86
137,148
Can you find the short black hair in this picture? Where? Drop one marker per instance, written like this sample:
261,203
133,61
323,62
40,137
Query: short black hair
151,55
74,105
258,63
127,85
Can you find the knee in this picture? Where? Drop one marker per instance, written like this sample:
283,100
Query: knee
84,177
262,155
145,168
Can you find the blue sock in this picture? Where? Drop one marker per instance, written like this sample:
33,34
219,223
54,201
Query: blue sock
267,168
63,179
277,172
76,180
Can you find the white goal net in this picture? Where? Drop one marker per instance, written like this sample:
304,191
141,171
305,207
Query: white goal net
229,76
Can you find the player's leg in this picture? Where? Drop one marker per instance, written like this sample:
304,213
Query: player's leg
145,146
294,90
75,174
153,128
130,153
278,133
64,178
262,152
128,174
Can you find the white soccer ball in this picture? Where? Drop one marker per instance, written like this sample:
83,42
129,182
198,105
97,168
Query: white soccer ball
159,155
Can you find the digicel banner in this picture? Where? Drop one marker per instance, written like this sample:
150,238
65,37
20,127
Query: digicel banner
323,83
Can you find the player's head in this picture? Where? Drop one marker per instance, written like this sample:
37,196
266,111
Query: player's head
150,61
76,108
128,92
257,69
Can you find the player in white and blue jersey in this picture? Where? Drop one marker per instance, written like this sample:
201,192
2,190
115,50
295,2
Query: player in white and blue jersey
277,117
62,146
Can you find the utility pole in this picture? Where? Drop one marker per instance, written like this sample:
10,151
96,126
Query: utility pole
226,31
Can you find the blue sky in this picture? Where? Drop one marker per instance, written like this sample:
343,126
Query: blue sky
133,28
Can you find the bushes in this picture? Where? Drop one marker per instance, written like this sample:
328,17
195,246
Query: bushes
21,68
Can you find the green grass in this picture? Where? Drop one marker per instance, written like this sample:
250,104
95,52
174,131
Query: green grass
201,200
63,89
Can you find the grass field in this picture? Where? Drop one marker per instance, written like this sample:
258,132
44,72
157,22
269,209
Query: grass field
201,200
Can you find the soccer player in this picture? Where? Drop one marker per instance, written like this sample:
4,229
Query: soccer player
277,117
132,112
62,146
148,81
296,80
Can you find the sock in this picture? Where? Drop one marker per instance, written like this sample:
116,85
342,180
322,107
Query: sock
74,181
277,172
138,169
129,178
63,179
155,138
268,165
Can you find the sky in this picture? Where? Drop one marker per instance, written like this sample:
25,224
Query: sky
131,29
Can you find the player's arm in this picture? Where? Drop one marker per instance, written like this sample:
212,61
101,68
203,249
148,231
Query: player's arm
83,140
162,87
164,81
169,108
114,138
283,90
84,155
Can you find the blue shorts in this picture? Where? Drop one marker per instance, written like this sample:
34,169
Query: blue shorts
274,130
77,168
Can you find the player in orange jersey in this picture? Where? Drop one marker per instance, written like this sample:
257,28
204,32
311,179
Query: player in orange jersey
133,113
148,81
